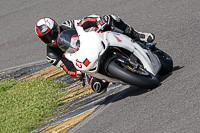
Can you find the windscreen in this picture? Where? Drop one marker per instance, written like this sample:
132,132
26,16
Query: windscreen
68,41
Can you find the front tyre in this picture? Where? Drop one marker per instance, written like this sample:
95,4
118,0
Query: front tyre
140,78
165,60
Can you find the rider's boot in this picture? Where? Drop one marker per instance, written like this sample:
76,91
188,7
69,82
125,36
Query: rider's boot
146,38
140,36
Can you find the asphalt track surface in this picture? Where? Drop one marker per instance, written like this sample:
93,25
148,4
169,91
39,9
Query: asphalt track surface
173,107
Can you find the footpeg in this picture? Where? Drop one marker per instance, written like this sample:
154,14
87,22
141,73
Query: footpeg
150,45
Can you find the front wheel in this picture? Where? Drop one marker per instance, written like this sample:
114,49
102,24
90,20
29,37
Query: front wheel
165,60
127,74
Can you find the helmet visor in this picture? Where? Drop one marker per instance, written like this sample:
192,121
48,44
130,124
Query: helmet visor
51,36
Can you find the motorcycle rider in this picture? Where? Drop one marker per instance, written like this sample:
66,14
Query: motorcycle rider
48,31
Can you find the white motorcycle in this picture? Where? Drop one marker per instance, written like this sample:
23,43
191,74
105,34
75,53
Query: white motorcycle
116,58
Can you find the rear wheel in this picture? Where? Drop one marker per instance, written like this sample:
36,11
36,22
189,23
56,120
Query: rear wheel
131,75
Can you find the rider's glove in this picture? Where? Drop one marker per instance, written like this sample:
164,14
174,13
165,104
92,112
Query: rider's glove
79,75
101,24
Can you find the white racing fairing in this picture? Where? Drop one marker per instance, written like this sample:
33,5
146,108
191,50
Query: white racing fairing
93,45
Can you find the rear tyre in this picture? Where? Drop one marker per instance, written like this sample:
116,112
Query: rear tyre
141,78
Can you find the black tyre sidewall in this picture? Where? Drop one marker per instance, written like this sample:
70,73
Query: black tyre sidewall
131,78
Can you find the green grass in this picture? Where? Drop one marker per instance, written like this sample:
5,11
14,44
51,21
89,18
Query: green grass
23,104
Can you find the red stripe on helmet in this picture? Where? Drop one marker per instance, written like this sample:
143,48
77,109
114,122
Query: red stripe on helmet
48,29
37,30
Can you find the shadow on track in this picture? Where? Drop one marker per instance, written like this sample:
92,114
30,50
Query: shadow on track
164,77
127,92
135,91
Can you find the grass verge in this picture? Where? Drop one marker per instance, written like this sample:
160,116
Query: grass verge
24,103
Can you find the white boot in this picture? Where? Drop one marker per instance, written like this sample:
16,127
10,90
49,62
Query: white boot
146,37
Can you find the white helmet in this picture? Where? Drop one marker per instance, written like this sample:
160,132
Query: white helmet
47,30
